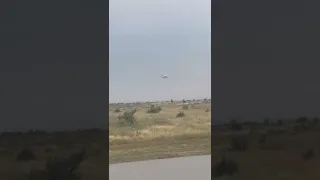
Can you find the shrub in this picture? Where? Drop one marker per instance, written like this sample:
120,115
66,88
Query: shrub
117,110
26,155
60,168
154,109
308,155
239,144
224,167
128,116
180,114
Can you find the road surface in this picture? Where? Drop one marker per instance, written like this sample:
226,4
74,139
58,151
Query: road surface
184,168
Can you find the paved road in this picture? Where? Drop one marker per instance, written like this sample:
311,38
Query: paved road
184,168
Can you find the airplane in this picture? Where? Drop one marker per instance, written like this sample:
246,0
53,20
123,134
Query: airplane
164,76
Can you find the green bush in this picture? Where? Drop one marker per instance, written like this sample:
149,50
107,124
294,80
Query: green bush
154,109
128,117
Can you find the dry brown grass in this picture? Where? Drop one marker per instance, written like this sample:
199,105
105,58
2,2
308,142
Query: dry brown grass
162,134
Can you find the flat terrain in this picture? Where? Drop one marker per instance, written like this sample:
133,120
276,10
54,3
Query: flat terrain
162,134
186,168
282,156
45,146
152,136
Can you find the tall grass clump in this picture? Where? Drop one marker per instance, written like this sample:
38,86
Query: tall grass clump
180,114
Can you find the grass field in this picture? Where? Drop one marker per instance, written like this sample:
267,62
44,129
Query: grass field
46,146
274,150
282,155
161,134
151,136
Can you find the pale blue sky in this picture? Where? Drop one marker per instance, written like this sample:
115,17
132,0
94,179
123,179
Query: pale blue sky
148,38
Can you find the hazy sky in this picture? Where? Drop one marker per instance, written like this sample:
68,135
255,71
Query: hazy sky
148,38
